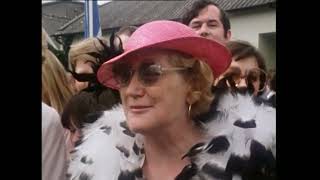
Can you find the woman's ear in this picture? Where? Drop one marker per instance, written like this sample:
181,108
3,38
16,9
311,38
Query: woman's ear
193,96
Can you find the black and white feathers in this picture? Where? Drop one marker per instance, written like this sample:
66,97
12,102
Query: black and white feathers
240,144
241,141
106,148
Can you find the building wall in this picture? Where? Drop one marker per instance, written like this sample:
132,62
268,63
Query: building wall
267,46
258,26
248,24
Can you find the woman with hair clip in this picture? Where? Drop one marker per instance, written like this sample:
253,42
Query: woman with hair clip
85,58
164,77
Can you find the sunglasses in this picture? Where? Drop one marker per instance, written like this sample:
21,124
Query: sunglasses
148,73
234,77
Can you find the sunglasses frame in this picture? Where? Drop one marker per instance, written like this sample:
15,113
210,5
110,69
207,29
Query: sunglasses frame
159,71
229,77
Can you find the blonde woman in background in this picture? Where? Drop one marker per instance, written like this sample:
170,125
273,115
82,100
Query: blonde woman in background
56,89
54,152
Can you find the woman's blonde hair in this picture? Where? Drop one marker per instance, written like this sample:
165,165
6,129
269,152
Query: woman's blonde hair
81,49
56,90
200,77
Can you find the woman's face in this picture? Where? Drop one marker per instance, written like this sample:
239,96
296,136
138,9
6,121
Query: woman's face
156,105
245,65
249,73
82,66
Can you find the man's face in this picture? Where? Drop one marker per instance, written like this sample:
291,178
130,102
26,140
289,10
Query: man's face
208,24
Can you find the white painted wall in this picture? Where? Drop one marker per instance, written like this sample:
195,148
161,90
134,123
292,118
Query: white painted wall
267,46
248,24
258,26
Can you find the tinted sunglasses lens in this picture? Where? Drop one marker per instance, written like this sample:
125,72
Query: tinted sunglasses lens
233,77
255,75
122,74
149,73
236,78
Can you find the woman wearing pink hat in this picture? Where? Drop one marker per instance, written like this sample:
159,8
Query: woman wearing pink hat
164,78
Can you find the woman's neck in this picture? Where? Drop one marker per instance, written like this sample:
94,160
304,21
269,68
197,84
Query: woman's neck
165,148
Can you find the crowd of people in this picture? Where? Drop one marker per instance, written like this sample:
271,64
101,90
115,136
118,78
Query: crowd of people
165,100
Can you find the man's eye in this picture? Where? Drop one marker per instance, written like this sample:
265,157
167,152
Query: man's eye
212,25
195,26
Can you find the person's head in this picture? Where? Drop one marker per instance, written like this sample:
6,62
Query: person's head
208,20
164,80
56,90
247,69
76,112
124,33
82,58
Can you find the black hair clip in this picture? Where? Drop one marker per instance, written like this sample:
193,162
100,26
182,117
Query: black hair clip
84,77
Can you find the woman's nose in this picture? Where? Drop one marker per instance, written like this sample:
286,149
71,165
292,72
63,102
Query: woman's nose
135,88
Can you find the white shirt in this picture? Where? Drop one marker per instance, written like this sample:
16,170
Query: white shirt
54,154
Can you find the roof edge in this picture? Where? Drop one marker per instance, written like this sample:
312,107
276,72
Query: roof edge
57,2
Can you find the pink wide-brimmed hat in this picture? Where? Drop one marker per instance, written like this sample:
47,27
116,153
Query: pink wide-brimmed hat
169,35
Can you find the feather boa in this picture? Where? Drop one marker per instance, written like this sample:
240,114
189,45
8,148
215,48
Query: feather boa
240,144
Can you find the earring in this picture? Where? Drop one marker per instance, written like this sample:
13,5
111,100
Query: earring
189,110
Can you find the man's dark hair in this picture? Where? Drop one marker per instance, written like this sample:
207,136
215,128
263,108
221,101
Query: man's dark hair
201,4
127,30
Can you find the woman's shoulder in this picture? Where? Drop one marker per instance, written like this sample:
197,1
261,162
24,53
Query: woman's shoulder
50,119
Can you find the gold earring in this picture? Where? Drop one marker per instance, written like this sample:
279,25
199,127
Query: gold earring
189,110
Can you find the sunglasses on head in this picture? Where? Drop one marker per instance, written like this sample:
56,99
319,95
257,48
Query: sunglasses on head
148,73
234,77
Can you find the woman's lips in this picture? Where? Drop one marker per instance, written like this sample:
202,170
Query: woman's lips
139,109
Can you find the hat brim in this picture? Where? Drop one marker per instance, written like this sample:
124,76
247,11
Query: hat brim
216,55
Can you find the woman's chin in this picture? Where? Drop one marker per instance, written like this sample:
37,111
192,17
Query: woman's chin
137,127
140,126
